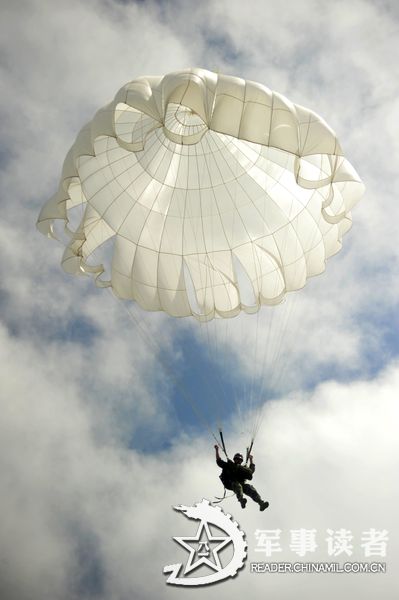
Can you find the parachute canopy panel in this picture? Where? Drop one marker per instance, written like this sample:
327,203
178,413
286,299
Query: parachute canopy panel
219,194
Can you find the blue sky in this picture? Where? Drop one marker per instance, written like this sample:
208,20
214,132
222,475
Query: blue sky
96,443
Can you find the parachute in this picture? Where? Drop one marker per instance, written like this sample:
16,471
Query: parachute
218,195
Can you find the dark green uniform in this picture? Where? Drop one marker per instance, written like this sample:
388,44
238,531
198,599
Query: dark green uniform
234,478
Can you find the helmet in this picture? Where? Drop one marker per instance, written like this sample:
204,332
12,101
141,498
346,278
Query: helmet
238,457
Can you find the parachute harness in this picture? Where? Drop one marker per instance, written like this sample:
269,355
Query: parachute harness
219,499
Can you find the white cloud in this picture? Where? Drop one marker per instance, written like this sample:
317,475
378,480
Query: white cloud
81,514
323,461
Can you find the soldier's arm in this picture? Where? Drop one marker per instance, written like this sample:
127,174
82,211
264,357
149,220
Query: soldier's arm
219,461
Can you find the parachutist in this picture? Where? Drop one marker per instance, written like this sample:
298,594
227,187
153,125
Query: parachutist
234,475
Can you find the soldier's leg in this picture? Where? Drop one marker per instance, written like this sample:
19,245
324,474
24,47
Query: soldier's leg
250,491
238,489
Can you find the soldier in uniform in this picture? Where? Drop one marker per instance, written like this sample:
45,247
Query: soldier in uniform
234,475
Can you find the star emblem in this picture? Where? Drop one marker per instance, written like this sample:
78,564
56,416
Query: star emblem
200,547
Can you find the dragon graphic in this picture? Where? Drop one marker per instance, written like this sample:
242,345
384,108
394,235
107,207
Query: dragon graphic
211,515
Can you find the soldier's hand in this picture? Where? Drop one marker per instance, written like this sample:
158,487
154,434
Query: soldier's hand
216,447
251,457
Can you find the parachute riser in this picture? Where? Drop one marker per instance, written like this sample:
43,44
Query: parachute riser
249,450
222,443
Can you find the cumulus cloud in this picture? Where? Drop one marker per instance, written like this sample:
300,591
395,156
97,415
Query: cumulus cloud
88,518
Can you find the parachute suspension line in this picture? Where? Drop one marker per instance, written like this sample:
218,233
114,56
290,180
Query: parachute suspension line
294,332
207,339
246,391
265,362
237,392
233,197
284,317
294,302
219,327
290,304
216,347
222,442
232,194
267,368
270,356
278,366
149,341
212,338
224,349
239,399
221,336
259,372
278,324
255,374
207,283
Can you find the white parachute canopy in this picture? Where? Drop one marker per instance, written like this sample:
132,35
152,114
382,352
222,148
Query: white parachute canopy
219,195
